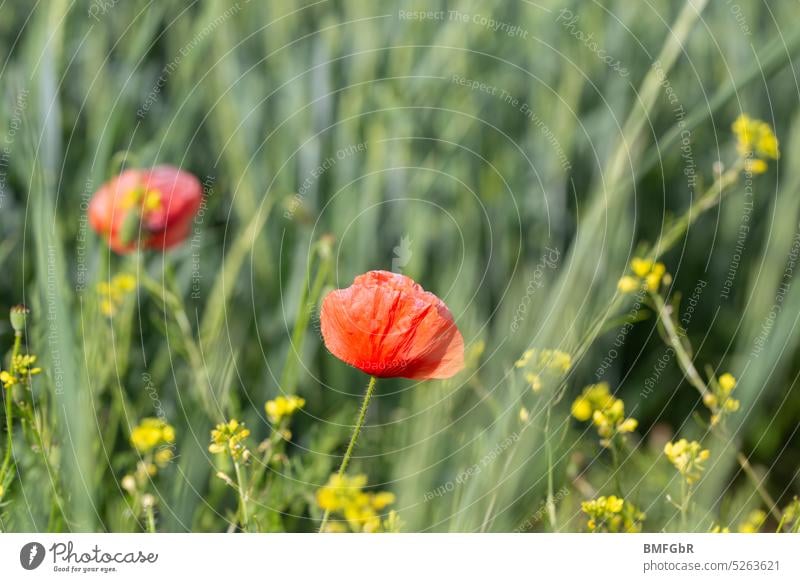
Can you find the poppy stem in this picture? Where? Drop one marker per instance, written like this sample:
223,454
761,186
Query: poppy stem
362,414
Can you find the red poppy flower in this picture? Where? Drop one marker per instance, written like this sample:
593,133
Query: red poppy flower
155,206
386,325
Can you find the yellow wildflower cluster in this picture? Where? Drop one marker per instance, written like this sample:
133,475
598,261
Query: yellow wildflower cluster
647,274
688,458
718,398
345,495
152,433
22,368
612,514
113,293
230,437
153,438
606,412
717,528
283,407
755,141
753,522
539,365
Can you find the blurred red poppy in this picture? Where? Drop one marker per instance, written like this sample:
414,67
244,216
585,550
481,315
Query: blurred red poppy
386,325
152,208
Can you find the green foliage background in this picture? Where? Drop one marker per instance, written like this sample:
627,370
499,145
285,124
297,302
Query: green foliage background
254,97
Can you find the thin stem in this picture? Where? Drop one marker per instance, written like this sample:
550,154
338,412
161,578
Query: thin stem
151,519
551,504
765,496
666,241
9,411
686,494
617,467
676,342
362,414
708,200
696,380
57,503
242,495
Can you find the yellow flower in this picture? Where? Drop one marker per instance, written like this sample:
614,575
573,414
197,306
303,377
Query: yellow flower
556,360
163,457
755,166
594,397
229,437
628,284
151,433
731,405
524,415
22,368
653,279
112,294
755,138
582,409
381,500
283,407
719,399
727,383
645,270
790,517
534,380
753,522
7,379
688,458
606,411
716,528
612,514
641,267
523,361
543,368
345,495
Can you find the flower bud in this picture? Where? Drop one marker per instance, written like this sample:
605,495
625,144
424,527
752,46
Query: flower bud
18,315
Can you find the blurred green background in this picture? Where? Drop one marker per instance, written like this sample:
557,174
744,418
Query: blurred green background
509,156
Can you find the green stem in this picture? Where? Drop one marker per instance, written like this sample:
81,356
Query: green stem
686,495
57,501
708,200
759,487
173,305
308,298
617,467
151,520
551,504
356,431
242,495
691,373
676,341
9,411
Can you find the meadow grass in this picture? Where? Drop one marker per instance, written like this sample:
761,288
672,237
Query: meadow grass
511,157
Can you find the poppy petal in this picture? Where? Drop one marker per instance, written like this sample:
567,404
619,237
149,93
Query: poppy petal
386,325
